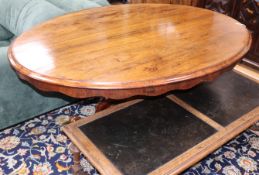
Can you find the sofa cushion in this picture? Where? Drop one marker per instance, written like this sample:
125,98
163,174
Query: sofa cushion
18,100
74,5
4,43
4,34
20,15
101,2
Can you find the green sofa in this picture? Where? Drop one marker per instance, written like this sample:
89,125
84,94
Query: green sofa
18,100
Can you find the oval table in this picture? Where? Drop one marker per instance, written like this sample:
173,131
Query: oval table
126,50
121,51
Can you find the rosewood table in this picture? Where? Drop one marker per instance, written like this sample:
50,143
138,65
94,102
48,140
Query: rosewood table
122,51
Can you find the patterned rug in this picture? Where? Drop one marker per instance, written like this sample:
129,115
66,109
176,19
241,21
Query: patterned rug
39,147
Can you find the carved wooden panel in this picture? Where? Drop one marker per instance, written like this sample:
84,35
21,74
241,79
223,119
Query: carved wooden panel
248,14
183,2
150,1
227,7
157,1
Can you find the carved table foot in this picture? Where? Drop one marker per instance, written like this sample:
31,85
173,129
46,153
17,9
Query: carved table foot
76,167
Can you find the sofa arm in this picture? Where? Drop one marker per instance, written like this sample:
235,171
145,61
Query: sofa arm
5,34
74,5
18,100
18,16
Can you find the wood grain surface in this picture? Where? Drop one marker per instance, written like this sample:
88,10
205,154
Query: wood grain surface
126,50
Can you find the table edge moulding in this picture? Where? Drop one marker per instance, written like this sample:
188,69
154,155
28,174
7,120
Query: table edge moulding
130,85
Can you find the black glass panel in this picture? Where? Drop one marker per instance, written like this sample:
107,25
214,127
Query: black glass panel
225,99
144,136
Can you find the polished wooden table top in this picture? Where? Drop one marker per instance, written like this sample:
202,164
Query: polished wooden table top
126,50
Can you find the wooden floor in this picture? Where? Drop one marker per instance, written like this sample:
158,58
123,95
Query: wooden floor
247,72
